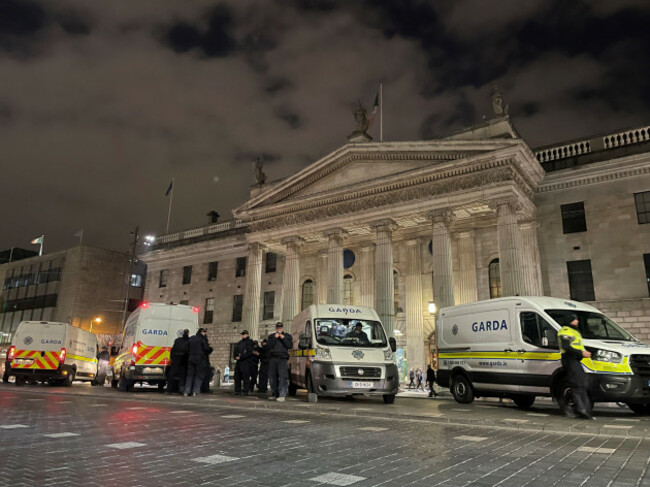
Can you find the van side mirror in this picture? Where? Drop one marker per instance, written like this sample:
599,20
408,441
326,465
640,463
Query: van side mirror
393,344
544,340
304,342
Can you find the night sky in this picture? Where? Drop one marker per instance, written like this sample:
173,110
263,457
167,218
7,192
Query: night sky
103,102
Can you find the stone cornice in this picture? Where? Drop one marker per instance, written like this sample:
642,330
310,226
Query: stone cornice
596,173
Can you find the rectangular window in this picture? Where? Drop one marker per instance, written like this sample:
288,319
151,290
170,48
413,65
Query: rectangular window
187,274
240,269
213,267
581,283
642,202
209,310
237,305
536,331
137,280
269,301
162,281
646,261
186,302
573,217
271,262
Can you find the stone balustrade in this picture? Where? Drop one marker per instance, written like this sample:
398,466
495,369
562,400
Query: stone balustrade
627,137
563,151
196,232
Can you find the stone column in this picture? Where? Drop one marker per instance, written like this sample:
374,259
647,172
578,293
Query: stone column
251,312
291,280
414,306
322,278
531,260
367,275
335,265
443,275
509,239
384,284
467,268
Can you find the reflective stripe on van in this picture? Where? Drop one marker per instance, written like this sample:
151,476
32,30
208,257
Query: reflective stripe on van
152,355
84,359
302,353
32,359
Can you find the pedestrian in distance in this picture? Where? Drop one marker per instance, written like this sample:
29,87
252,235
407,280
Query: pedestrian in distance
279,344
102,367
178,356
263,377
431,378
420,379
226,374
198,362
244,357
572,352
254,365
411,378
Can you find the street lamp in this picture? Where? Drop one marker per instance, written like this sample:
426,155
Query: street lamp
97,320
149,240
432,308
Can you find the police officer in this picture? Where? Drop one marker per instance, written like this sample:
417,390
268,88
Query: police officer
243,355
254,365
279,344
573,351
102,367
263,378
197,362
178,357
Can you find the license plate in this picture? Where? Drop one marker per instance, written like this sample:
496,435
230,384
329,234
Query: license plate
361,385
23,361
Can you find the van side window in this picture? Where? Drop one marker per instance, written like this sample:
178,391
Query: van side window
534,329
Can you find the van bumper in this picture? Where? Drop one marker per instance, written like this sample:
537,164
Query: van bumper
60,373
147,373
327,384
619,388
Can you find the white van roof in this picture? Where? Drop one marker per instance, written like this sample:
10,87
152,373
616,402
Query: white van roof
540,302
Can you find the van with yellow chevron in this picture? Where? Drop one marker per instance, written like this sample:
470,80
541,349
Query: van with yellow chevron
508,347
47,351
147,339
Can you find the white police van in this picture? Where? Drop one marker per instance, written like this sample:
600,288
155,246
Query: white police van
148,337
342,350
507,347
47,351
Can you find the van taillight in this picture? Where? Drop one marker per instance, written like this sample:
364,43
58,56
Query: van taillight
62,355
144,305
195,309
134,354
12,351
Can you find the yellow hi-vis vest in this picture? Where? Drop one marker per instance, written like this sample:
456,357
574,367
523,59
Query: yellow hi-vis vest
567,333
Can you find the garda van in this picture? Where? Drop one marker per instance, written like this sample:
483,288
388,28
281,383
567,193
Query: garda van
57,353
508,347
148,337
342,350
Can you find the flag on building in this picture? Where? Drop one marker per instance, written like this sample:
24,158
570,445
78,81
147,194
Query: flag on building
38,240
79,234
375,107
169,189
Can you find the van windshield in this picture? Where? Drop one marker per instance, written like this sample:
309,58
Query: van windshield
350,333
594,326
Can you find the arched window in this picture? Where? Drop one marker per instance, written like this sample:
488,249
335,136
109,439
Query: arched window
307,294
348,295
495,279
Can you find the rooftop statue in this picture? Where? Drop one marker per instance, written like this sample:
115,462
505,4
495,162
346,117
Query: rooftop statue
361,119
498,105
260,177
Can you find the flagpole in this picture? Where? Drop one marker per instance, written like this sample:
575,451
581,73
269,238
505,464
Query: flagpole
81,237
381,112
169,212
40,252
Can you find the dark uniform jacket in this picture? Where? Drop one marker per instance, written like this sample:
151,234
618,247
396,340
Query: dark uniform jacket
279,347
431,375
180,350
199,346
245,350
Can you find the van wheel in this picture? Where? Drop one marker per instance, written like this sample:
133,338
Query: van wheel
639,408
523,402
20,381
461,389
293,388
67,382
125,385
310,384
114,383
5,378
564,398
161,386
389,398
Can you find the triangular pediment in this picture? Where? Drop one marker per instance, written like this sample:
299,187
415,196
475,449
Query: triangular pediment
357,166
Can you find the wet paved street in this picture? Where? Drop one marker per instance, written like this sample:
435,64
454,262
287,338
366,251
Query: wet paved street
91,436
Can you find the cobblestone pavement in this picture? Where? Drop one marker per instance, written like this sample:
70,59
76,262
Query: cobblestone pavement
83,436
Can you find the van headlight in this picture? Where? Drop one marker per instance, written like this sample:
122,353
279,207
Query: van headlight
323,353
388,355
606,356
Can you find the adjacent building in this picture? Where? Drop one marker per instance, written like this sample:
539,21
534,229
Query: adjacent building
400,225
75,286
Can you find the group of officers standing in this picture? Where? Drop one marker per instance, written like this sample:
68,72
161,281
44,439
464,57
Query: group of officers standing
257,365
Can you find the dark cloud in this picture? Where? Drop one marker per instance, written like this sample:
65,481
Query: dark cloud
209,38
277,85
292,119
6,113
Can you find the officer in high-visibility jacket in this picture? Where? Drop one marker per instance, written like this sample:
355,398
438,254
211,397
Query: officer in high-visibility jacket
573,351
